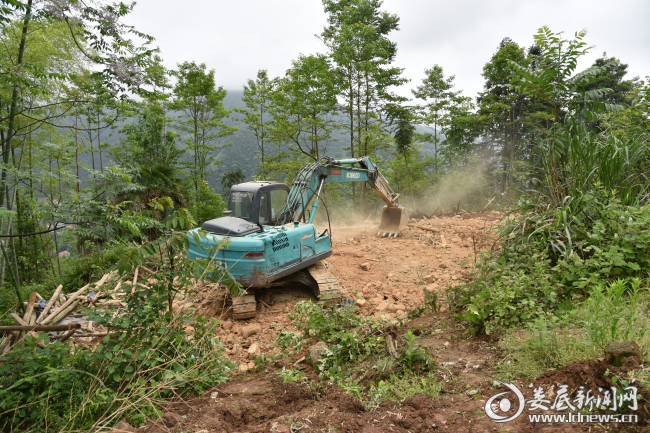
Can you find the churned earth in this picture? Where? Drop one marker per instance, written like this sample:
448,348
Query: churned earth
386,278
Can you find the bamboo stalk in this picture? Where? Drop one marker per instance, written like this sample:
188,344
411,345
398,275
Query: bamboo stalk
149,271
105,278
6,344
485,207
30,307
50,303
65,305
19,319
41,328
67,335
63,311
92,334
135,275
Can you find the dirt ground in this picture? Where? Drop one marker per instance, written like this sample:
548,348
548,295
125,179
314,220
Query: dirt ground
386,278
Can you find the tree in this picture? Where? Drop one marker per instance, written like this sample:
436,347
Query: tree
609,75
362,54
257,95
230,178
201,102
511,121
303,108
403,143
436,89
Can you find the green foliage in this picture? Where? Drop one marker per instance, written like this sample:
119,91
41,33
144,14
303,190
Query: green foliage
401,387
413,355
257,97
554,81
208,205
231,178
545,345
348,336
303,107
291,376
81,270
431,302
613,316
508,292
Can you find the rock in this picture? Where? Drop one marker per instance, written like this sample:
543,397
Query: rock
251,365
382,307
243,367
122,427
227,325
379,285
431,288
392,308
171,419
249,330
315,353
428,279
230,339
401,314
365,266
361,303
442,266
617,352
254,351
400,307
358,254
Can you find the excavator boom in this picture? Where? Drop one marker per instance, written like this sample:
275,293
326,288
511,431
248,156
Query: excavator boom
310,180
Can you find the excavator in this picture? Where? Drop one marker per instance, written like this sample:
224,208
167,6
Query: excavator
270,236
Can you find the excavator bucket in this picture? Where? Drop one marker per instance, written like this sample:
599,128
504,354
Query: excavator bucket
393,221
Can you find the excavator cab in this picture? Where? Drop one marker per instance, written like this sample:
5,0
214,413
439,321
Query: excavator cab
259,203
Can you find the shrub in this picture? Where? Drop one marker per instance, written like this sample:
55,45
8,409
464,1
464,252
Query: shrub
150,357
550,259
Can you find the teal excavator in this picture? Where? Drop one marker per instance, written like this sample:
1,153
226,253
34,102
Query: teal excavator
271,238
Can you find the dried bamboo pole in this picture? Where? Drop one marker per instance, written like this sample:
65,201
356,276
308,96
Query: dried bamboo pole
50,303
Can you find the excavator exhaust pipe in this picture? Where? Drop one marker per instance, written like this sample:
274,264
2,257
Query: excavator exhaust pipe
393,221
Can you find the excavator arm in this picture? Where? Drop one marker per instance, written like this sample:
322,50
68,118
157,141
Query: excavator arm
311,178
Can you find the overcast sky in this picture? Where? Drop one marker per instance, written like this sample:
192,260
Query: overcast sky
236,38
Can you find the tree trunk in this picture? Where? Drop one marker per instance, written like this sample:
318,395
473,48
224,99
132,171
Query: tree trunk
6,145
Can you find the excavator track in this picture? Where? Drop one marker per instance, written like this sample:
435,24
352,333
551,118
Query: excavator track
327,284
244,307
322,283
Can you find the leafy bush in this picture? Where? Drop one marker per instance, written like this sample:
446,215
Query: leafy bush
152,356
549,259
77,271
206,204
613,316
349,337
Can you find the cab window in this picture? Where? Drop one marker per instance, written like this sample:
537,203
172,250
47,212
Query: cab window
278,198
241,203
264,208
